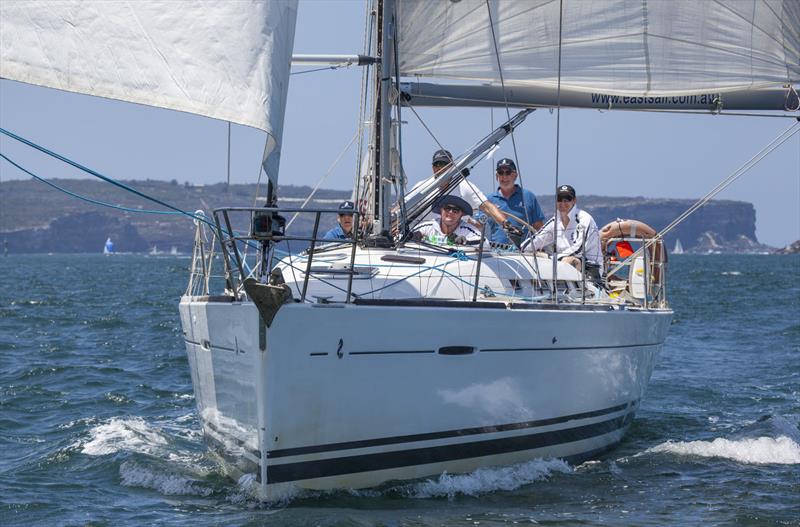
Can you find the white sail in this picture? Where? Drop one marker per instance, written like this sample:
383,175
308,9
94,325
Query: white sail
226,60
625,47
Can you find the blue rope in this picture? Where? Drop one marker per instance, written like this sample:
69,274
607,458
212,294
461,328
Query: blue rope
100,176
84,198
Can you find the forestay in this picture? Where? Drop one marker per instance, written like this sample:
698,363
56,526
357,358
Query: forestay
226,60
625,47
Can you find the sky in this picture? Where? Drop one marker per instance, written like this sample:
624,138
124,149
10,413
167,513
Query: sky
600,153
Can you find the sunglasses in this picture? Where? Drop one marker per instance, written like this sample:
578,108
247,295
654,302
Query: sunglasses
505,172
450,208
440,164
562,199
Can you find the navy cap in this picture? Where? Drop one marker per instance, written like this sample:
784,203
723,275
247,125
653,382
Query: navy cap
442,156
565,190
346,207
507,163
465,207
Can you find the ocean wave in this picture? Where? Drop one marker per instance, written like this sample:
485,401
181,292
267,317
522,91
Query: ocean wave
123,434
781,450
485,480
133,474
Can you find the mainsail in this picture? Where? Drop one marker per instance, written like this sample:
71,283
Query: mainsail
632,48
225,60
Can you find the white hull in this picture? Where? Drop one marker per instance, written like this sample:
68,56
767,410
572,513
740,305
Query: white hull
349,395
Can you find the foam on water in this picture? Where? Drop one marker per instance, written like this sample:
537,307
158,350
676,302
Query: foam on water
761,450
133,474
126,434
487,480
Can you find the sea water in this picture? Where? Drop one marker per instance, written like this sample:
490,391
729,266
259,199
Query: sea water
98,423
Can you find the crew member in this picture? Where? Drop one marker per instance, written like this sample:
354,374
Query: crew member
513,201
344,229
450,228
442,160
576,232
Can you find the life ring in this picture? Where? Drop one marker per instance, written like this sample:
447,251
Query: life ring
634,229
625,229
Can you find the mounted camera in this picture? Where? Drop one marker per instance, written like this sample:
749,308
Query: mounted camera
267,224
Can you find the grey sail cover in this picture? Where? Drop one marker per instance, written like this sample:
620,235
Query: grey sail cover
227,60
627,47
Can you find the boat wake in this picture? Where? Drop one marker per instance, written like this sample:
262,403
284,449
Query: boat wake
486,480
155,459
135,474
768,440
124,434
780,450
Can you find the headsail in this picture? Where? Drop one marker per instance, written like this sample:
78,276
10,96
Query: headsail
225,60
640,48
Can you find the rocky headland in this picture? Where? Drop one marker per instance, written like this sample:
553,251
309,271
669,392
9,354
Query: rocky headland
36,218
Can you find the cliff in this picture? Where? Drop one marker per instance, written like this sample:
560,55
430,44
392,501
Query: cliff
36,218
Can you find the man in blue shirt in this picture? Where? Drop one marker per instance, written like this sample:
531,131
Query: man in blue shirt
513,200
344,230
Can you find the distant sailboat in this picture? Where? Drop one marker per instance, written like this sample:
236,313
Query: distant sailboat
173,250
678,247
109,247
154,250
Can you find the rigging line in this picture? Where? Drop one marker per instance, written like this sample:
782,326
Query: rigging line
424,125
84,198
95,174
505,102
112,181
556,218
750,163
508,116
326,68
783,137
324,177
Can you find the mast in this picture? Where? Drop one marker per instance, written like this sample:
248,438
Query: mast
382,175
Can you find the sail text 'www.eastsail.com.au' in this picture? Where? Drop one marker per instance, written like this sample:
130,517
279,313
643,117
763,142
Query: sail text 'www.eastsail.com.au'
677,100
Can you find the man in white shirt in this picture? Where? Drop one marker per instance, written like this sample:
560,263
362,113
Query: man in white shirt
576,233
450,228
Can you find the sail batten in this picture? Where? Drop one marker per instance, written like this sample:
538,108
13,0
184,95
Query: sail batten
625,47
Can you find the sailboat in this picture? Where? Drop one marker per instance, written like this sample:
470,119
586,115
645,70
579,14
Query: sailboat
378,358
108,248
678,247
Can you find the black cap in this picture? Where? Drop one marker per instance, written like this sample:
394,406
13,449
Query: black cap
465,207
442,156
565,190
346,207
507,163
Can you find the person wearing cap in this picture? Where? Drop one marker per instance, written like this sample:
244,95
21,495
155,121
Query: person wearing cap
344,229
576,233
450,228
516,204
441,161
